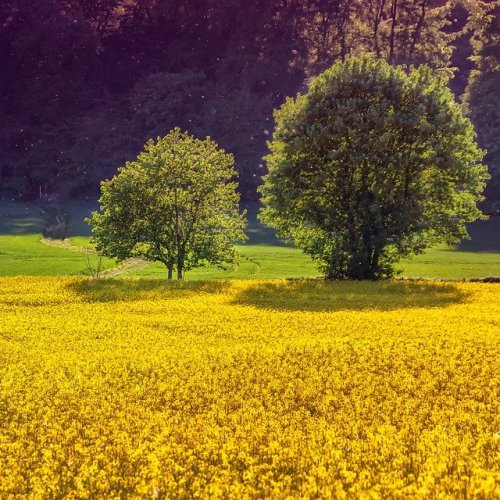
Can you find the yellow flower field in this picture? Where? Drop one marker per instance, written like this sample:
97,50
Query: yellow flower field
249,389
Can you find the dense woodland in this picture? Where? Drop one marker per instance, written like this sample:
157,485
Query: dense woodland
84,83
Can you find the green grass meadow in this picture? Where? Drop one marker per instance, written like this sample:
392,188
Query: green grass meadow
263,256
22,252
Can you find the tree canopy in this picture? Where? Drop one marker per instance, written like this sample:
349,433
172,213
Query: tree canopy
371,165
176,204
86,82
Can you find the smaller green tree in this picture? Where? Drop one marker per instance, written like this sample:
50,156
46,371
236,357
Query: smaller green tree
176,204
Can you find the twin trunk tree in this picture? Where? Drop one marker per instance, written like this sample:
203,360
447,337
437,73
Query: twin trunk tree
185,233
176,204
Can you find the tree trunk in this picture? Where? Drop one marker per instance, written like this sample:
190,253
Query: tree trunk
375,263
378,18
170,273
394,15
420,24
180,266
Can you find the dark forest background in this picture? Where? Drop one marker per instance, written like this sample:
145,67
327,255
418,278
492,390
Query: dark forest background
84,83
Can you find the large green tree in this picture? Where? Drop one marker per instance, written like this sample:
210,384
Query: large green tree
176,204
373,164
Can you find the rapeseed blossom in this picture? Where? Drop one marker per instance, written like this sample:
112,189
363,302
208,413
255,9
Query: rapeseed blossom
248,389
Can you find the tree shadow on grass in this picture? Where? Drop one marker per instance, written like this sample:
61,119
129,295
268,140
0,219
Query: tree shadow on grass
117,290
316,295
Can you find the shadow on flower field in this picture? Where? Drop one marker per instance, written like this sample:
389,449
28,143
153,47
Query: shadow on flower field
111,290
316,295
289,295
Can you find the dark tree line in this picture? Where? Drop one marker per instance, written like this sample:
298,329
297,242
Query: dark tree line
482,95
84,83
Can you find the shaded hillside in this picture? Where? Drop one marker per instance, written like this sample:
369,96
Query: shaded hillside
86,82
